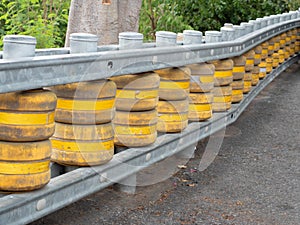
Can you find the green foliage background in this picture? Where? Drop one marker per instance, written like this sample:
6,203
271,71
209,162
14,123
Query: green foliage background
203,15
47,19
44,19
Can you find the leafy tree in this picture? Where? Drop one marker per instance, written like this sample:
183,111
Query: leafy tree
293,4
206,15
44,19
159,15
212,14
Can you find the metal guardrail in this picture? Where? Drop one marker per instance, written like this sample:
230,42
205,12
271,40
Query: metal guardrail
49,69
56,66
72,186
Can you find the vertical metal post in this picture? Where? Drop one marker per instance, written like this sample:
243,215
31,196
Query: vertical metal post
128,40
18,46
213,36
81,43
248,27
165,38
239,31
227,32
190,37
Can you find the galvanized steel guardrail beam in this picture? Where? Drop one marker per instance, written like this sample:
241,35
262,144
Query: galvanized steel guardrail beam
55,66
72,186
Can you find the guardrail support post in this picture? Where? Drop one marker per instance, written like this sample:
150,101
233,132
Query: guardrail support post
128,40
127,185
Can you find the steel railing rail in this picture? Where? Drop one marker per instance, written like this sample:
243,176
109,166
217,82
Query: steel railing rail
56,66
72,186
53,67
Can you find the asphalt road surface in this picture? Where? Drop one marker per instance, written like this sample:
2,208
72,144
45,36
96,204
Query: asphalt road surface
255,179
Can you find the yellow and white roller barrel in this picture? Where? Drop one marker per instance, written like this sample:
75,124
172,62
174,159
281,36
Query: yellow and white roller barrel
249,60
222,98
238,78
258,55
174,83
262,69
281,56
297,46
269,62
200,106
276,43
172,116
288,38
135,129
288,45
27,116
265,50
24,166
297,43
283,40
202,77
276,59
247,82
271,47
239,64
137,92
82,145
223,72
287,52
292,48
294,35
255,75
294,40
86,102
237,91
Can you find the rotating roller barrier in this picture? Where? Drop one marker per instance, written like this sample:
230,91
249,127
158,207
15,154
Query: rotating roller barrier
26,124
201,97
238,78
84,134
137,92
105,105
135,122
85,102
263,63
256,69
137,96
135,129
249,69
222,90
82,109
173,105
24,166
27,116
